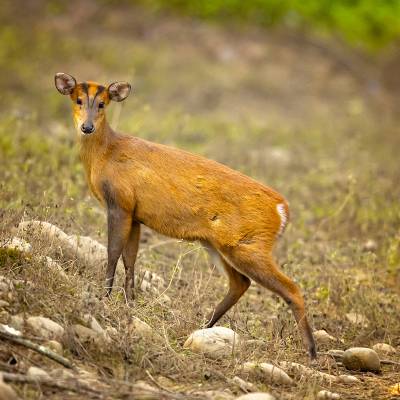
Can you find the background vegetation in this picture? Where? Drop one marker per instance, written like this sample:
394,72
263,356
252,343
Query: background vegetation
301,95
369,24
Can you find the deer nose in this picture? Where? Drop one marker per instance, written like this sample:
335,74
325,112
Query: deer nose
87,127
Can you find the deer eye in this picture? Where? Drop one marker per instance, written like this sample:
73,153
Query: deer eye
79,102
101,105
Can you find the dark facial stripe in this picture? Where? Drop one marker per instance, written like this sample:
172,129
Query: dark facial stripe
85,87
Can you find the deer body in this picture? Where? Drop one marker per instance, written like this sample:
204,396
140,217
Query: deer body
180,195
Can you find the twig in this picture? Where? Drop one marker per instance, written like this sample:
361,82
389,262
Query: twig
390,362
38,348
72,386
156,383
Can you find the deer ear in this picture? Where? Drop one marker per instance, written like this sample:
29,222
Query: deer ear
119,91
65,83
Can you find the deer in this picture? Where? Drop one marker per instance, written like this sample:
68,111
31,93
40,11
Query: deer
180,195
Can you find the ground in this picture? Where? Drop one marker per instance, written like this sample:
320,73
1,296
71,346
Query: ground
274,106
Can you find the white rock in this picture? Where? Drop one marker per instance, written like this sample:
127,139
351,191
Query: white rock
348,379
305,371
10,330
35,372
216,342
370,245
384,348
93,323
16,243
4,304
326,395
243,385
88,251
45,327
361,359
357,319
62,374
83,248
43,231
140,327
324,337
269,372
55,346
87,335
256,396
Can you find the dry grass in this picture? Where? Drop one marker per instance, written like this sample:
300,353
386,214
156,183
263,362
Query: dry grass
273,108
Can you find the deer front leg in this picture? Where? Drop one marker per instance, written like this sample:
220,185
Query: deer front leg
129,254
119,224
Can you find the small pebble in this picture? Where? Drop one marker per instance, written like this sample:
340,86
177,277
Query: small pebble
326,395
384,348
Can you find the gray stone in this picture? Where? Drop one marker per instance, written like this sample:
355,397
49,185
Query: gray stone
323,337
216,342
326,395
39,373
243,385
270,373
357,319
361,359
87,335
384,348
137,326
348,379
93,323
55,346
45,327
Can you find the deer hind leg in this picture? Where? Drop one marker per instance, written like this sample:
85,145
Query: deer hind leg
129,254
238,284
259,265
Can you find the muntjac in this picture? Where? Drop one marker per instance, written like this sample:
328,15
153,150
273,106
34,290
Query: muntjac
181,195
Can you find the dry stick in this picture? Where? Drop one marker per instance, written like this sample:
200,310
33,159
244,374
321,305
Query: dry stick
390,362
38,348
387,362
156,383
73,386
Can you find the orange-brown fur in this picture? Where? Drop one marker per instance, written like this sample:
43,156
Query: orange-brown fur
185,196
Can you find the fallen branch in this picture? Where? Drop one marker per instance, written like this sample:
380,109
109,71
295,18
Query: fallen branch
390,362
71,386
36,347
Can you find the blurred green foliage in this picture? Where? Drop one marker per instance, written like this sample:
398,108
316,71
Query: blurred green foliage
369,24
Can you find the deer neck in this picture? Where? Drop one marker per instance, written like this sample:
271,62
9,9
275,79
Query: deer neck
93,147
